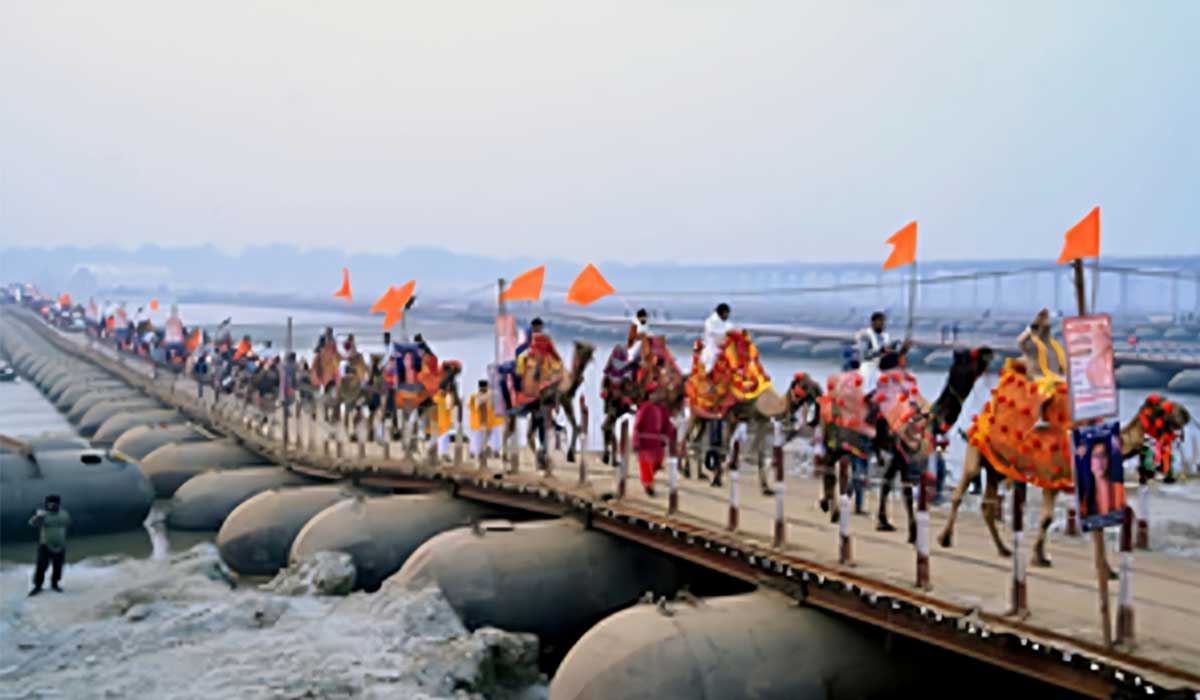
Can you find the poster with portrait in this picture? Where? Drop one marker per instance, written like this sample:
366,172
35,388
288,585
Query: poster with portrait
1091,379
1099,475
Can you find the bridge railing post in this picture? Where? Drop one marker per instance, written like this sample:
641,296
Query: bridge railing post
1020,596
1143,512
780,534
1125,633
512,447
732,523
460,434
924,484
623,461
845,546
583,448
672,476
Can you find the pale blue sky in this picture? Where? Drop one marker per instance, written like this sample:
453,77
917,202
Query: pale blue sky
643,130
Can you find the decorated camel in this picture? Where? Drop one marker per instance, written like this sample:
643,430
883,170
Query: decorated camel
894,420
1007,440
344,397
736,393
538,386
420,380
627,384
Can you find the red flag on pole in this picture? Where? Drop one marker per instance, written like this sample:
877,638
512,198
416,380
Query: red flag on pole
590,286
1083,240
904,247
344,292
526,287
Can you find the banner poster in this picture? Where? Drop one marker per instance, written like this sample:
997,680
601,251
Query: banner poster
1091,379
1099,475
506,338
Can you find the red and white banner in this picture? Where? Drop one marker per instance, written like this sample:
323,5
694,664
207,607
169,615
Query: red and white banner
1091,378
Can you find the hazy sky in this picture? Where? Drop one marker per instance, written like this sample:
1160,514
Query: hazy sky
706,130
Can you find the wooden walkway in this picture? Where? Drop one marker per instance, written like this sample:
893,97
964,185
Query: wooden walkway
963,611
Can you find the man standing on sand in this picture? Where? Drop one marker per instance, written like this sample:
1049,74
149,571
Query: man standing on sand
52,542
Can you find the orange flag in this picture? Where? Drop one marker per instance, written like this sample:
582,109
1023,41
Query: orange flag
381,304
588,287
344,292
904,247
64,300
526,287
154,304
393,302
1083,240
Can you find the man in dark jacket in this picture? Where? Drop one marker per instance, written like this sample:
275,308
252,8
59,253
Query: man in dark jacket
52,522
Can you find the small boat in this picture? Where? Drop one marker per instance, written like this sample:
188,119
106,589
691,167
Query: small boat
7,373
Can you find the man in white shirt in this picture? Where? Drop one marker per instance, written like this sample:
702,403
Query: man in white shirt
872,342
715,328
640,328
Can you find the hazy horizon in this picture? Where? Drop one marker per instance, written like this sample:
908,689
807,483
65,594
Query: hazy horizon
638,133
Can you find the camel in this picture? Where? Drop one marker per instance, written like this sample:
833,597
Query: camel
905,427
625,386
419,410
553,393
1133,439
738,392
350,394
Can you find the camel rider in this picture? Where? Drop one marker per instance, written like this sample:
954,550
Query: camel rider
715,328
267,351
420,341
243,349
1044,360
638,331
873,341
535,326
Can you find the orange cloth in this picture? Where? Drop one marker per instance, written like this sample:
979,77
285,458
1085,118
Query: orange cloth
243,347
589,287
904,247
1004,432
1083,240
344,291
526,287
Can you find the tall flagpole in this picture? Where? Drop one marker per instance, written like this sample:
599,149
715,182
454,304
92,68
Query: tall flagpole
912,301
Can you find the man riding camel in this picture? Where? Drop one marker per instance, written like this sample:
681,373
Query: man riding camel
715,328
1044,361
872,342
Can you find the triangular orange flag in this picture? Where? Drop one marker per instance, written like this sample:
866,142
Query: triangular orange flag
588,287
393,303
382,303
154,304
526,287
393,315
344,292
1083,240
904,247
405,294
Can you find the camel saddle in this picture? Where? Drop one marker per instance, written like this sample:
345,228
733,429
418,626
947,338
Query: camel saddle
1005,432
